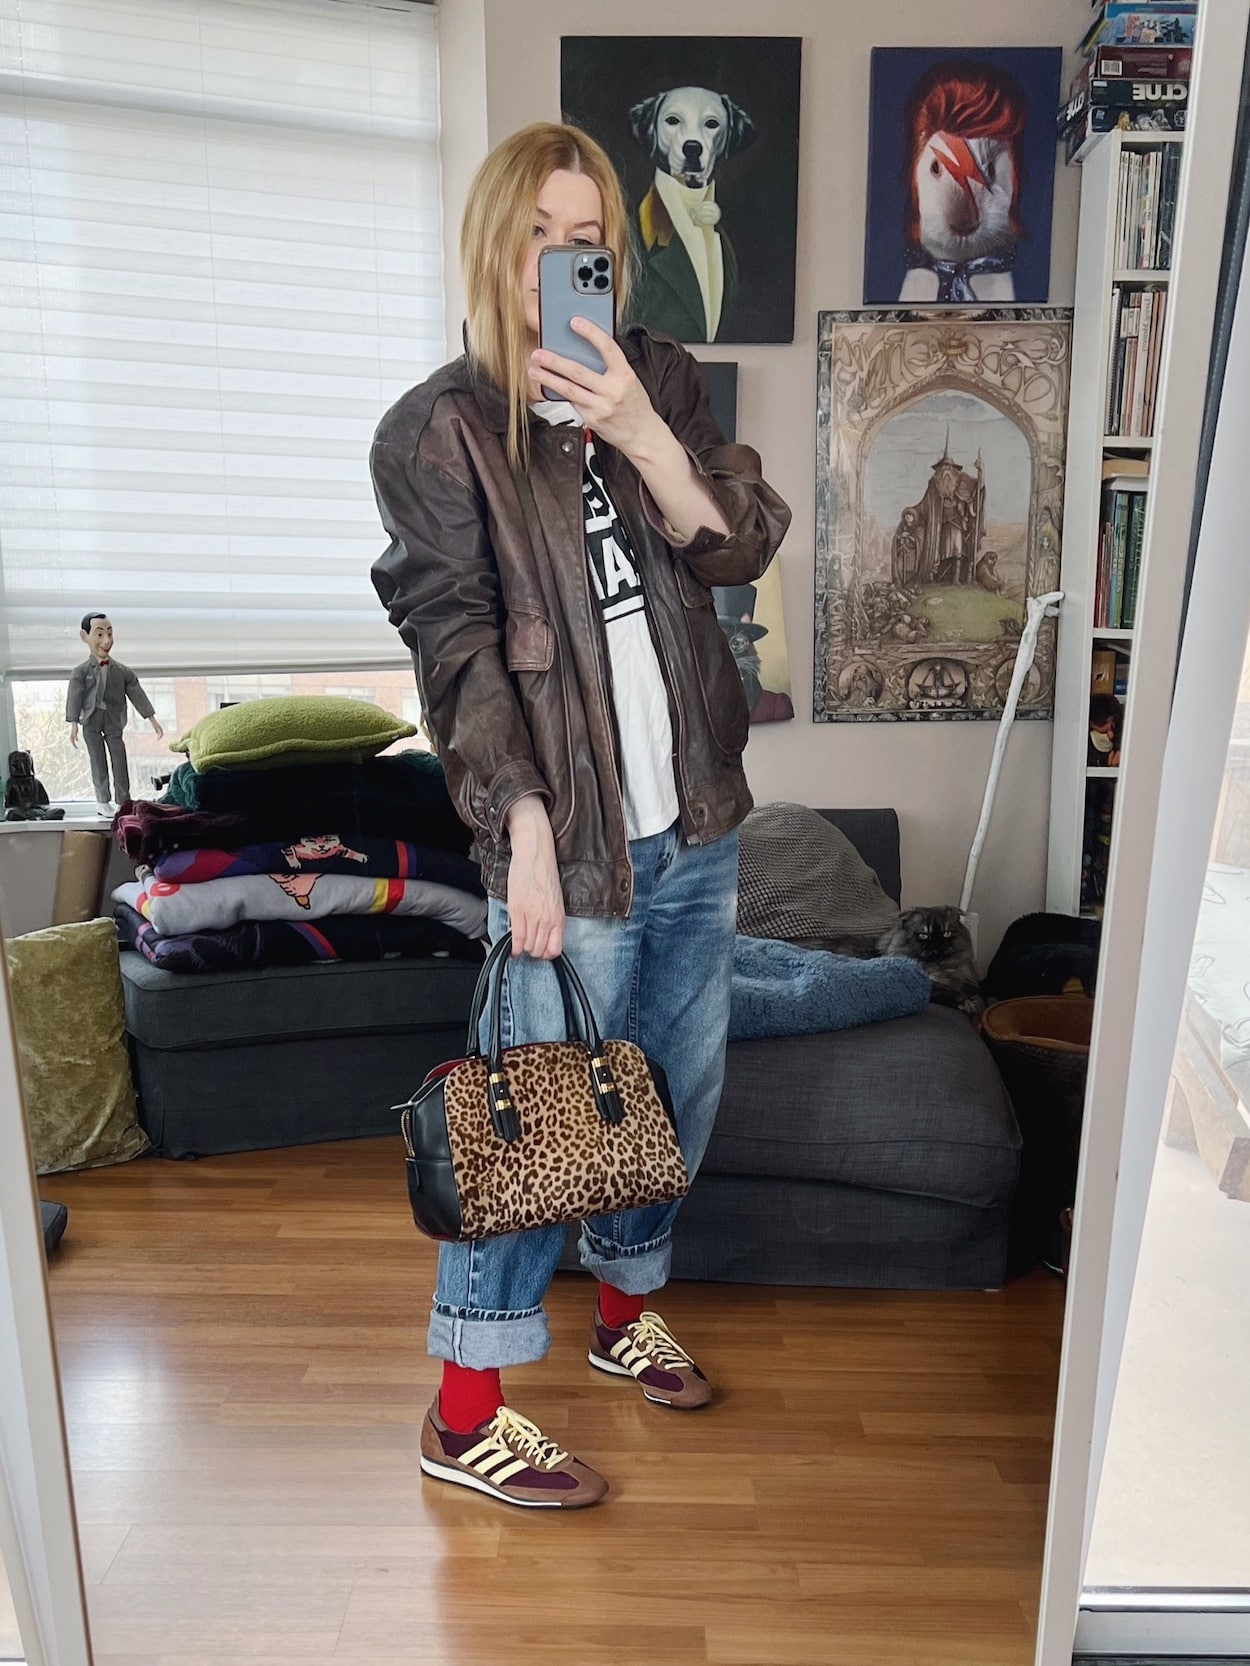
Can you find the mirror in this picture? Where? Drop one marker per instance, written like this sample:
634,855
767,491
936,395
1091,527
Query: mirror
238,1294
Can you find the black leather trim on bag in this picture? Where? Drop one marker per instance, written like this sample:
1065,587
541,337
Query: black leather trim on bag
431,1178
640,1167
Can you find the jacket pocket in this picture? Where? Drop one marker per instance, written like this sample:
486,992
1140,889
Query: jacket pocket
724,699
529,642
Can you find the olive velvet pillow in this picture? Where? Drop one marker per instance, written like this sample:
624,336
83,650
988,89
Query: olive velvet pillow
291,729
69,1016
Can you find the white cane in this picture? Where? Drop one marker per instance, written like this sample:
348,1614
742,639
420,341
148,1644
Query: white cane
1037,608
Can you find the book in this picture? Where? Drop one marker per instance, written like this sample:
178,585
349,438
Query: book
1102,671
1133,554
1096,844
1137,407
1141,23
1084,134
1088,90
1167,215
1142,118
1115,615
1138,468
1155,357
1113,351
1142,63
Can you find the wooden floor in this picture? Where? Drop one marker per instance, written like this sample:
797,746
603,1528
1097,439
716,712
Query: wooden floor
242,1347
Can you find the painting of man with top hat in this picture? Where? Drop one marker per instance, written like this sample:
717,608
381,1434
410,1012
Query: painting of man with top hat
736,606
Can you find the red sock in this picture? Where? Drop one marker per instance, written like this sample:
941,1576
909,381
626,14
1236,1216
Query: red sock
616,1309
467,1398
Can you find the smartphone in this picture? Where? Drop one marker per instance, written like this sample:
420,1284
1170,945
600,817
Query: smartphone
575,281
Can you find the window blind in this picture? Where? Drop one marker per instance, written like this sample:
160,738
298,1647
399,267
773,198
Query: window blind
221,262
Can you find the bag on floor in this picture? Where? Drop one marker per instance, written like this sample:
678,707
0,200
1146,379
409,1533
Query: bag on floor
1041,1046
542,1133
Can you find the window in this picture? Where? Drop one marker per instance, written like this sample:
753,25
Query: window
223,264
233,690
39,709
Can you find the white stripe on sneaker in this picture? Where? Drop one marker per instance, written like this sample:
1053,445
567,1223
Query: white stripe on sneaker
492,1460
506,1474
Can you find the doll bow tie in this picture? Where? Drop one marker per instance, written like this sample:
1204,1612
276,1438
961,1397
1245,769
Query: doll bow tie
954,276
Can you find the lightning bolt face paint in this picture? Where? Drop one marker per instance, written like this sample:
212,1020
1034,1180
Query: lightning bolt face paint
955,155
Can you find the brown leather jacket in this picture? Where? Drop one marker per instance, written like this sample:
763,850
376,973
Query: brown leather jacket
487,581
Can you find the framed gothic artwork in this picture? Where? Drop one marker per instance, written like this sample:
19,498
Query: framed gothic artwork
939,499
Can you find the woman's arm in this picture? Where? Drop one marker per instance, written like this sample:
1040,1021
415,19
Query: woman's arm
440,585
684,499
720,483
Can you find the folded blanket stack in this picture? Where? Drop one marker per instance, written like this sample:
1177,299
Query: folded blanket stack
284,866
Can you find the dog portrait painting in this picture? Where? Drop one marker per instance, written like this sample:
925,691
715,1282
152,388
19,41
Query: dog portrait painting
704,133
961,166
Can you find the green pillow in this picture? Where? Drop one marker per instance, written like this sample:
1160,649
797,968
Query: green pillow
291,729
70,1022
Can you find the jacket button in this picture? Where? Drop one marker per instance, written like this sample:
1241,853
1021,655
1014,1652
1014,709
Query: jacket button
700,812
566,446
624,886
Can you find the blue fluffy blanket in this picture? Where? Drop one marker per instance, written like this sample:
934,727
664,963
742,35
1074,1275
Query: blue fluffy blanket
779,989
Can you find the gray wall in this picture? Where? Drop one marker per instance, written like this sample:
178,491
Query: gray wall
932,773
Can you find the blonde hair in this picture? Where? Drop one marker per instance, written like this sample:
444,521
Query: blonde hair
494,235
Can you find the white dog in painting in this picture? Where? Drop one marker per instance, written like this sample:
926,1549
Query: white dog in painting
691,274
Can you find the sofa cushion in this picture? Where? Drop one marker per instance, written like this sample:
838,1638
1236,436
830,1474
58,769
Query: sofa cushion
913,1105
183,1010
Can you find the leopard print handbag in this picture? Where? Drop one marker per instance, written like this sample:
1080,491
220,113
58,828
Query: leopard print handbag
542,1133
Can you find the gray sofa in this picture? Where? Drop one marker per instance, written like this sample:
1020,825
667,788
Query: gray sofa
885,1155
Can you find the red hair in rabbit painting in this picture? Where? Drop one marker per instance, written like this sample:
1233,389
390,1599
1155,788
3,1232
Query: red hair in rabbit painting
965,122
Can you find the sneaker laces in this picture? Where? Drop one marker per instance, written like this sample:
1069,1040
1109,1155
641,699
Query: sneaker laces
517,1434
652,1336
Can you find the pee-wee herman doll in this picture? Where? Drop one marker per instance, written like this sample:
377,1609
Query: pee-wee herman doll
98,691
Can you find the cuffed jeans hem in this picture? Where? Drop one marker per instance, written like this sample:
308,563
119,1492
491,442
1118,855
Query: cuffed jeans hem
634,1269
488,1341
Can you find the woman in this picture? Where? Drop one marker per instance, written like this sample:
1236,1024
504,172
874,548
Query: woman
550,568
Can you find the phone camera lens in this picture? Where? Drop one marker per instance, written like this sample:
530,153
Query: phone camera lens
584,273
601,264
601,282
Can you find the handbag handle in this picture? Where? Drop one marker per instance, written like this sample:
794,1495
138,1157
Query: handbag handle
503,1113
571,1025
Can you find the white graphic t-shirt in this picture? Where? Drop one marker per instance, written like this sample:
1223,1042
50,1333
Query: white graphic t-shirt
648,786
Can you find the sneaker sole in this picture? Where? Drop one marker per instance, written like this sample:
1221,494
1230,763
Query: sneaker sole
609,1365
612,1369
458,1478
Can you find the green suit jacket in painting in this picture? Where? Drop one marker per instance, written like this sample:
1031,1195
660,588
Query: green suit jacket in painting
668,297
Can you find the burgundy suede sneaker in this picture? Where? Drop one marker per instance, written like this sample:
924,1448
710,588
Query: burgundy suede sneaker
509,1458
647,1350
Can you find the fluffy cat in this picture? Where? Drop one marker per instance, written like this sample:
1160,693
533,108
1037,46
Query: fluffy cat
939,940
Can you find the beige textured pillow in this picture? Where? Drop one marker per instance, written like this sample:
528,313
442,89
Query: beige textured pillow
69,1016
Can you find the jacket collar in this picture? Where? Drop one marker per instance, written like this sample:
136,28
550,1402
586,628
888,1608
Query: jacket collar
490,398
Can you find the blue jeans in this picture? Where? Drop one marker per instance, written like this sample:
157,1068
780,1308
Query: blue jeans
660,979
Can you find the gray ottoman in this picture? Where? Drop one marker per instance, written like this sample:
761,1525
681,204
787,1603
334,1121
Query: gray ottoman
885,1155
236,1061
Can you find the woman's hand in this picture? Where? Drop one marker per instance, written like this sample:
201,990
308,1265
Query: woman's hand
617,407
614,403
535,898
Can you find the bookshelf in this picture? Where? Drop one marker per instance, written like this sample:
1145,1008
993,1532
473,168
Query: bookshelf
1082,794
